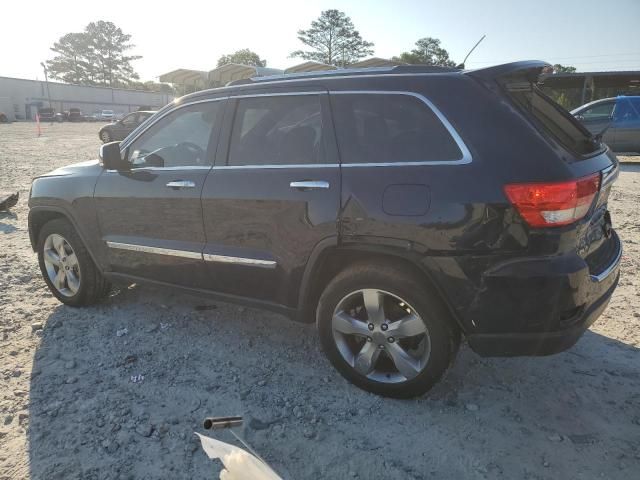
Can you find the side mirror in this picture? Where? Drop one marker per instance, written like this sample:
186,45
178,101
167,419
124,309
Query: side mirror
110,156
580,117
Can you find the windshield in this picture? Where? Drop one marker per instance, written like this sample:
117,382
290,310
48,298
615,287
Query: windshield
553,120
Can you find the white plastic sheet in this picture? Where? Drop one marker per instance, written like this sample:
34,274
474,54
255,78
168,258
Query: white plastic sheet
239,464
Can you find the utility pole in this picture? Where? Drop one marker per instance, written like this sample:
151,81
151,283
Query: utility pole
46,81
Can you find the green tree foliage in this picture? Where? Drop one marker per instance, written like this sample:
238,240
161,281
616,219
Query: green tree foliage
333,40
70,64
97,56
427,52
243,57
557,68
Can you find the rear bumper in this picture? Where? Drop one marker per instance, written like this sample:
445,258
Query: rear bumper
582,294
539,344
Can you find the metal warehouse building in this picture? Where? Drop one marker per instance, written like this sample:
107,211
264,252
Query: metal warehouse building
20,98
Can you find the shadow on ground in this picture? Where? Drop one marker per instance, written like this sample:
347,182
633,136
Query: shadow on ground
109,403
7,227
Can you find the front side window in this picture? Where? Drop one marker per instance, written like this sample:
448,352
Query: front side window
179,139
390,128
277,130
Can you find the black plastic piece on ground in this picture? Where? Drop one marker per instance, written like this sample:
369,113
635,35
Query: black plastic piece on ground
8,200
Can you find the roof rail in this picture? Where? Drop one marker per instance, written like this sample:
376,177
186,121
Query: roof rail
348,72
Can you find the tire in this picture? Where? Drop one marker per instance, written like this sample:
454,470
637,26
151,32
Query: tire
88,285
398,288
105,136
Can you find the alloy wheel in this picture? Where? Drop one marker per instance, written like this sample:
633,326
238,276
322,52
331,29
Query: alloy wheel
62,265
381,336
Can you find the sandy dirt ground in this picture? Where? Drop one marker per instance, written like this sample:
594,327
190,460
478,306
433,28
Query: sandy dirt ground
70,410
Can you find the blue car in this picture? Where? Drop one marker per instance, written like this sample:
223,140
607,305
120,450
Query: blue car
622,117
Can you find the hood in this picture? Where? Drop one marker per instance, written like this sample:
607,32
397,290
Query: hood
84,168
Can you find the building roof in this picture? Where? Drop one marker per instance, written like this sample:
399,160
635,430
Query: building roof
376,62
185,76
234,71
626,79
309,67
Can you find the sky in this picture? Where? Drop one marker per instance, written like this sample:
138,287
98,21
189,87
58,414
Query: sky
592,35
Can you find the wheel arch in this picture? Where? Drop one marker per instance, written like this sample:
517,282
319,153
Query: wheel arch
39,216
330,257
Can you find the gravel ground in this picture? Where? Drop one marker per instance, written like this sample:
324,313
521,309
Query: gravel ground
70,408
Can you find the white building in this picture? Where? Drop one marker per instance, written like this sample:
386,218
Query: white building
21,98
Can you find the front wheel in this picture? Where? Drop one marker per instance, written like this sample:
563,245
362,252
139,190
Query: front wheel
67,267
385,330
105,136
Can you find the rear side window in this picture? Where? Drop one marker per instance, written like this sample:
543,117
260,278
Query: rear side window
601,111
553,119
390,128
277,130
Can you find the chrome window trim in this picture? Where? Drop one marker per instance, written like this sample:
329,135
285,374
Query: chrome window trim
152,169
466,154
156,250
255,262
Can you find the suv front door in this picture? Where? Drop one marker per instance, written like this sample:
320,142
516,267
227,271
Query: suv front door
273,194
150,214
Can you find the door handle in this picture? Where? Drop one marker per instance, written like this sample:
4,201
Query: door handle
176,184
309,185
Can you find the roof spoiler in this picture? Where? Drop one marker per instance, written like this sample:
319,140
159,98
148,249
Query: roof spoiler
527,69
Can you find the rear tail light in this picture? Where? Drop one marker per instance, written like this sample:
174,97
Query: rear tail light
553,204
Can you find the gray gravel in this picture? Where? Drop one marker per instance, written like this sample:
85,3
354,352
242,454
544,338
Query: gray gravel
117,390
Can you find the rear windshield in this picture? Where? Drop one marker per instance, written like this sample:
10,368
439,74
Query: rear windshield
552,119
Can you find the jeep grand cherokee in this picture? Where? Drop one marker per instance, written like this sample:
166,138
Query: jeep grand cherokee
399,209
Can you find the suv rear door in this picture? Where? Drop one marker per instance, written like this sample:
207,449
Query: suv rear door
273,194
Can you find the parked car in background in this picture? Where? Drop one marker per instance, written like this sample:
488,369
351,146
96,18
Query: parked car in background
75,115
380,205
106,115
618,118
48,114
118,130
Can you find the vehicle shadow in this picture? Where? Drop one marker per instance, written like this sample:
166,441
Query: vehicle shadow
7,227
118,389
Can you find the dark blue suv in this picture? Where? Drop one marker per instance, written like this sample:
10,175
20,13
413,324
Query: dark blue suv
398,209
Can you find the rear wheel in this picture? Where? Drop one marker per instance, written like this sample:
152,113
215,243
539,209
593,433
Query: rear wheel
67,267
385,330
